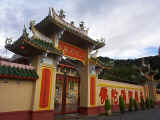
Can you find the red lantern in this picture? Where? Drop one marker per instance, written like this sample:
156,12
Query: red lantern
22,47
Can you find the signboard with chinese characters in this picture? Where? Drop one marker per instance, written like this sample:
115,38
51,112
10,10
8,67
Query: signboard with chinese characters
112,90
72,51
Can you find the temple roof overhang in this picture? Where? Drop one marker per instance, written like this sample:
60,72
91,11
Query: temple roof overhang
47,38
53,24
27,46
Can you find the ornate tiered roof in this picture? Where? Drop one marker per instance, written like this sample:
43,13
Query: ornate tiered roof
45,35
27,46
56,23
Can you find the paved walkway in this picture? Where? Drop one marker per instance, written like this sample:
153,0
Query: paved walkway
153,114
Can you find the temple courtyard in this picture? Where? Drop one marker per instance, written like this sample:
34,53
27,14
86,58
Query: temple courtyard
152,114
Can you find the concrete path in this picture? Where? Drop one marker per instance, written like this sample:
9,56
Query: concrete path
153,114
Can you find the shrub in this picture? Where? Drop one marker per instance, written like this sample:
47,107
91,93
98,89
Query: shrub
142,104
130,104
148,106
121,104
151,103
135,105
107,105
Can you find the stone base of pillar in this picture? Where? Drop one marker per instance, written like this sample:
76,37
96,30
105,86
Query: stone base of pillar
43,115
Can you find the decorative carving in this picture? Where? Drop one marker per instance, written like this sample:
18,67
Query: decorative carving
93,55
61,14
92,69
8,41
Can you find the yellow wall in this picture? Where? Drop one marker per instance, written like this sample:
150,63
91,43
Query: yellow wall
157,97
119,86
16,96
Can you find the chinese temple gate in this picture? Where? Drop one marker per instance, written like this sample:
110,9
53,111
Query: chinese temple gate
56,74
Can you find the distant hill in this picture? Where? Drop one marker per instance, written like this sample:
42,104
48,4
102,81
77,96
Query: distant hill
128,70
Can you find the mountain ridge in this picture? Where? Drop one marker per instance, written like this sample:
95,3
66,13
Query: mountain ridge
128,70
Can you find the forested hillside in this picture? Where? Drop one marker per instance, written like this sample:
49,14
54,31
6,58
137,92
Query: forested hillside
128,70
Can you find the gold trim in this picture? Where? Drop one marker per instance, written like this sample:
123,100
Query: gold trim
84,62
117,86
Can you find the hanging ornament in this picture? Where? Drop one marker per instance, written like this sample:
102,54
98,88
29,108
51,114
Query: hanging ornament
22,47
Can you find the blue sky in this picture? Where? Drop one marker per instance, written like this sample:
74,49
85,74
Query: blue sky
131,28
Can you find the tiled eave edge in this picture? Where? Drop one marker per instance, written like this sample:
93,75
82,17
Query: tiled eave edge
10,70
56,51
28,41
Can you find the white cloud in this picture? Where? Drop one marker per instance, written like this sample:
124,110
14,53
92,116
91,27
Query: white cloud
128,26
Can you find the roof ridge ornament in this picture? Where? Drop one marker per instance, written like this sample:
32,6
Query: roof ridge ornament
8,41
25,34
61,14
53,12
50,12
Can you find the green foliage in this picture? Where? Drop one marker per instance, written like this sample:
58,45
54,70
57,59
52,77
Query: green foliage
148,105
127,70
151,103
142,104
135,105
131,104
107,104
121,104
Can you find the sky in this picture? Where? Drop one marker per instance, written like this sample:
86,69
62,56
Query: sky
131,27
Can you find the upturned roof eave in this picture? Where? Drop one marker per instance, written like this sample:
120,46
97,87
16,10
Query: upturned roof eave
25,40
